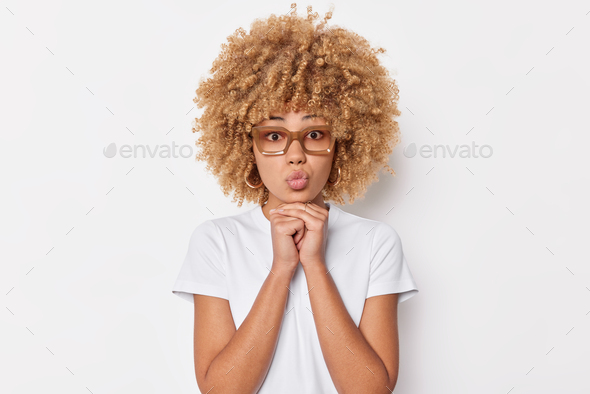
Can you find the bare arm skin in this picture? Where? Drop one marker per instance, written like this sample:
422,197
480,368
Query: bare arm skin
236,361
362,359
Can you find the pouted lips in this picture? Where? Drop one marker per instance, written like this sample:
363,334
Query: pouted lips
297,175
297,180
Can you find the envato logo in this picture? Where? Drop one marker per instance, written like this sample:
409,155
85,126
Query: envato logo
162,151
463,151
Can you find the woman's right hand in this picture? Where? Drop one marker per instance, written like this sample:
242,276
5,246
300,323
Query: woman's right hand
286,232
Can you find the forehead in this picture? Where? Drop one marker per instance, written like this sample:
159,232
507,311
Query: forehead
299,122
278,116
283,117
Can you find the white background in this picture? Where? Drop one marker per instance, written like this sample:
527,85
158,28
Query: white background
90,246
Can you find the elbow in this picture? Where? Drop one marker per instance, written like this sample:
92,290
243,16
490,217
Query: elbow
204,380
202,384
212,383
387,381
391,382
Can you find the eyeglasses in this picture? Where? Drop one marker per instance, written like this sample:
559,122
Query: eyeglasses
276,140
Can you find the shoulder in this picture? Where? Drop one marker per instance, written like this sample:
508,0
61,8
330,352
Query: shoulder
378,230
206,229
216,227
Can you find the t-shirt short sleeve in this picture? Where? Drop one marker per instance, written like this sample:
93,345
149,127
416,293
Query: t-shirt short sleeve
389,271
202,271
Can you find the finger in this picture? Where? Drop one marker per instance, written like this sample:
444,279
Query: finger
292,205
297,240
292,220
300,241
306,216
311,207
296,226
298,236
288,225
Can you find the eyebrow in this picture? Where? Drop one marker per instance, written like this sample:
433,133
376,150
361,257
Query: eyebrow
306,117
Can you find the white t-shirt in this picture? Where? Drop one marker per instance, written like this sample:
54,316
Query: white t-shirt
230,258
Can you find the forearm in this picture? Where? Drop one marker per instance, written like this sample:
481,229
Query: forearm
353,364
244,362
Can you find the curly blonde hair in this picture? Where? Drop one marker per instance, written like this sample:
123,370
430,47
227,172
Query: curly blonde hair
289,63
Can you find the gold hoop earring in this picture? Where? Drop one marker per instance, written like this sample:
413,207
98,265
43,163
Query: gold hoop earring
250,185
337,179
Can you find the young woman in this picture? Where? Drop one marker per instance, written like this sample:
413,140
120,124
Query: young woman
296,295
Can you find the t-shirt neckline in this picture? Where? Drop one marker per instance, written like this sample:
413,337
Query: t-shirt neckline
264,223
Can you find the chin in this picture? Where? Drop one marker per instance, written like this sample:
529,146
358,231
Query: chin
299,197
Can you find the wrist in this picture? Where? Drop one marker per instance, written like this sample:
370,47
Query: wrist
319,266
283,270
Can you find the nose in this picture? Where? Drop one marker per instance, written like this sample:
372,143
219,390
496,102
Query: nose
296,142
295,152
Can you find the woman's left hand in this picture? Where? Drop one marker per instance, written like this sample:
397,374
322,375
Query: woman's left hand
312,246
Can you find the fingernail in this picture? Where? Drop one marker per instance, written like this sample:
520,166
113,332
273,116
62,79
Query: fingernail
272,210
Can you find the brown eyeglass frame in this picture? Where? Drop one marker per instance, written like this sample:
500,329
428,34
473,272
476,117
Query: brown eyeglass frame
298,135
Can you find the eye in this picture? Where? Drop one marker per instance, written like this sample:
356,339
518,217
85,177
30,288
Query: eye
272,135
315,134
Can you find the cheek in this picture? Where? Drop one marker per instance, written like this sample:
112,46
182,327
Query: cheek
255,151
259,159
268,167
322,165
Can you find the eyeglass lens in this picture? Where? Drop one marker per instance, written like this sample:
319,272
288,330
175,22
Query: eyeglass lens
276,140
